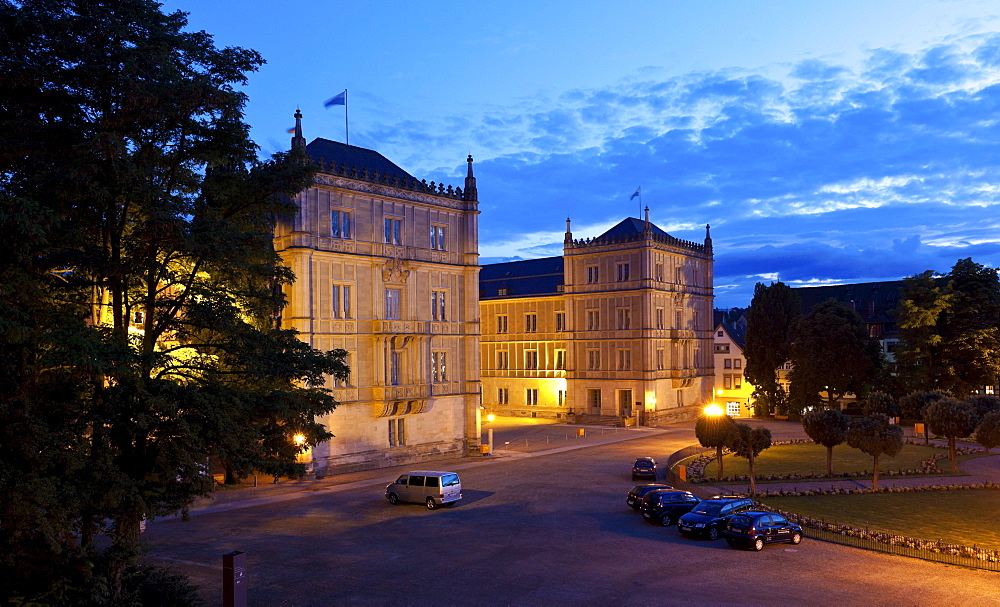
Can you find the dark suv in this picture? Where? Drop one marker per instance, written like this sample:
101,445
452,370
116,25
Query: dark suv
666,505
753,529
635,494
709,518
644,467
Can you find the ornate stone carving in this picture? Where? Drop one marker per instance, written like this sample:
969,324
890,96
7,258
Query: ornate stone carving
395,270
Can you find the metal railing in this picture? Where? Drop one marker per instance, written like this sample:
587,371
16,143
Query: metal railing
952,554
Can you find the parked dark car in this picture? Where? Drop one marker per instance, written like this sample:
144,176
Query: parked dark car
664,506
753,529
635,494
709,518
644,467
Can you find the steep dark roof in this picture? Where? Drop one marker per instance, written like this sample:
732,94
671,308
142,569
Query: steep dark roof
630,226
336,153
527,278
737,333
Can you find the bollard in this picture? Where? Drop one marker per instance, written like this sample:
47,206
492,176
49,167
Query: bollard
234,579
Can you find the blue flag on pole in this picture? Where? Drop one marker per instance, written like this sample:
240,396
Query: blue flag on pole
635,193
339,99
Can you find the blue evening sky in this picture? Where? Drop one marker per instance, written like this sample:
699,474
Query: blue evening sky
824,141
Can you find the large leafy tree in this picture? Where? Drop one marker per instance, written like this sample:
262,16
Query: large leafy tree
951,419
713,432
748,442
922,300
875,436
950,329
139,307
831,354
773,310
969,352
912,406
827,427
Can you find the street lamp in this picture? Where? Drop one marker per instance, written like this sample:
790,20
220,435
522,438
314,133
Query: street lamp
713,410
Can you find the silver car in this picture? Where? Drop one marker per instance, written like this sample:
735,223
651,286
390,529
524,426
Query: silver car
428,487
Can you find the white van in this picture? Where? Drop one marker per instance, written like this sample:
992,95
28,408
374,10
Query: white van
425,487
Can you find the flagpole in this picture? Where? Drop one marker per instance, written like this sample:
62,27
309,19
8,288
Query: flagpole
347,130
640,205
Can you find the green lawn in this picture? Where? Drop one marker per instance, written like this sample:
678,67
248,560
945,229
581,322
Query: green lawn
810,458
956,517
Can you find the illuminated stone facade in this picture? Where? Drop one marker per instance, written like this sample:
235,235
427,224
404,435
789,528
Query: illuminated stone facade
619,325
387,269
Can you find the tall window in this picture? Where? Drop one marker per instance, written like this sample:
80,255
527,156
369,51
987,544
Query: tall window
593,320
678,275
560,359
531,359
659,272
392,297
501,323
561,398
395,365
437,238
394,231
737,363
623,271
592,274
342,383
659,359
593,360
727,363
531,323
392,433
659,318
438,306
727,382
341,295
594,398
677,319
503,396
531,396
560,321
439,366
624,360
502,360
624,318
340,224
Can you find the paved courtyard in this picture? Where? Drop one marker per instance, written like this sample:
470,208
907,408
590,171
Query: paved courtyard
535,527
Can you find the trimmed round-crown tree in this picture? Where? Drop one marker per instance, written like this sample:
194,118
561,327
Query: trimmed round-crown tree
747,441
951,419
988,430
713,432
828,428
875,436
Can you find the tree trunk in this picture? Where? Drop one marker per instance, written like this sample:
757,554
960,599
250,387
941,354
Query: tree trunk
829,461
718,457
753,478
875,475
125,551
231,478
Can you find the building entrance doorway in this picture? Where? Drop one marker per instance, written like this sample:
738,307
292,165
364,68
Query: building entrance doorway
625,402
593,401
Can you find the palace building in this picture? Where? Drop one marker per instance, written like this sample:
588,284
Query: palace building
387,269
619,325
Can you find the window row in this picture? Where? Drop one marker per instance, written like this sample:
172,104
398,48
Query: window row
732,363
531,397
340,227
393,304
394,367
623,273
593,321
530,360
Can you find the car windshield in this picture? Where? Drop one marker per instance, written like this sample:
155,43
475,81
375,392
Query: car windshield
708,509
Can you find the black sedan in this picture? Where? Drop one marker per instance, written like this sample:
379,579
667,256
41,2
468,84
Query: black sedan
635,494
664,506
644,467
754,529
709,518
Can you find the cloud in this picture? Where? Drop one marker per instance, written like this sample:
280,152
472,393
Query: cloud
825,172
